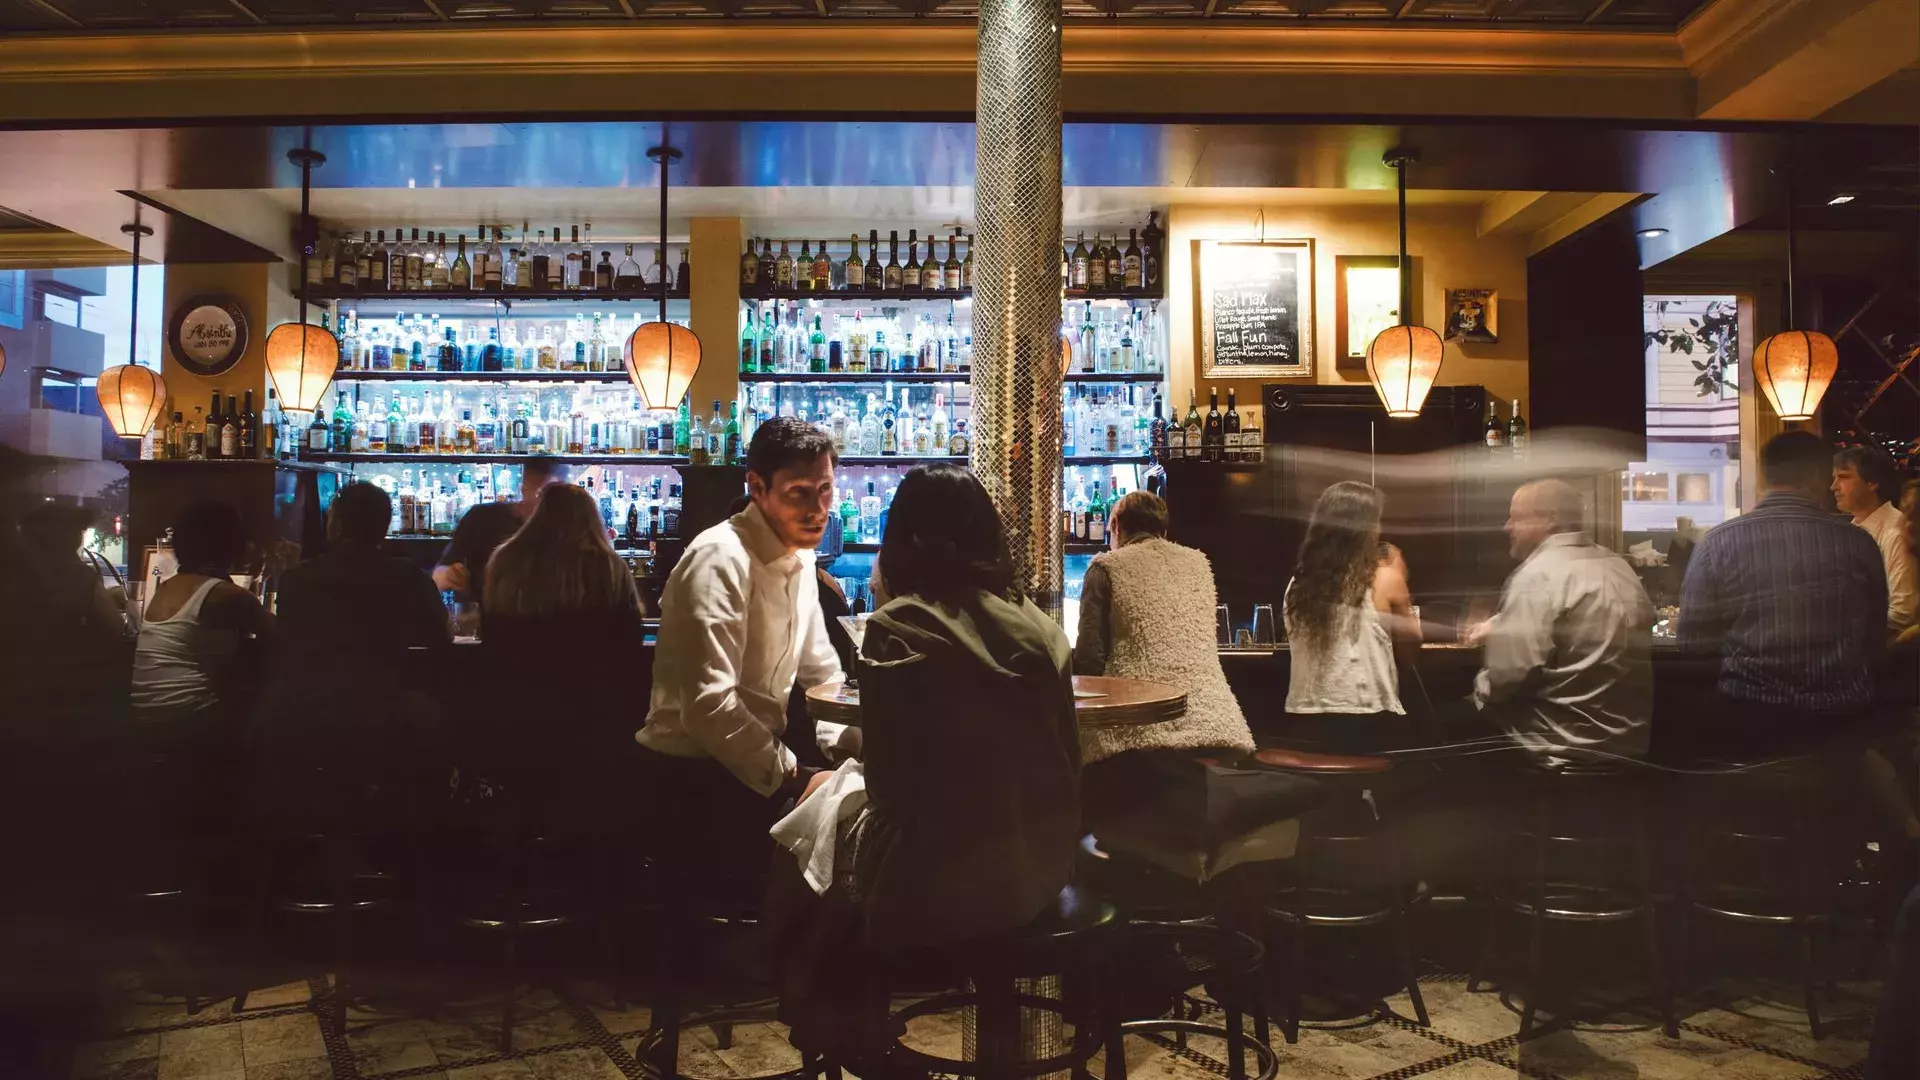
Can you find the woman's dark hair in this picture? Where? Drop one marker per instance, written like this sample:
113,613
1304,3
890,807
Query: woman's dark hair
1337,560
944,538
786,441
560,562
209,536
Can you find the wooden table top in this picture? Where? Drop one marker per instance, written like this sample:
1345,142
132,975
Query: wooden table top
1099,701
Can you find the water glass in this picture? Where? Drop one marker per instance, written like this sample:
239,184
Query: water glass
1243,638
1263,624
1222,626
465,616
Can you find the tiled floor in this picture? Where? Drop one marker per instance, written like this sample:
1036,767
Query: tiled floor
1751,1032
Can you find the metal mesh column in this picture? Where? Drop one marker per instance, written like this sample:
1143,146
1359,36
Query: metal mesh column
1016,282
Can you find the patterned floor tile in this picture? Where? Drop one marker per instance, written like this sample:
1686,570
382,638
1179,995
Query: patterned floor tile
93,1059
302,1069
274,1039
1475,1069
190,1053
131,1069
273,997
499,1070
758,1050
573,1065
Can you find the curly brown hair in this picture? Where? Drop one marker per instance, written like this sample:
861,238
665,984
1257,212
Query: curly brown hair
1337,560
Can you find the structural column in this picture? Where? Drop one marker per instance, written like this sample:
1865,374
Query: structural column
1016,282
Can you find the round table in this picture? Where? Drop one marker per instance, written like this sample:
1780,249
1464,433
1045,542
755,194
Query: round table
1099,701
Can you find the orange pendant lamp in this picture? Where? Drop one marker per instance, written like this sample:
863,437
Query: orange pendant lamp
1795,367
1403,361
131,396
661,356
301,358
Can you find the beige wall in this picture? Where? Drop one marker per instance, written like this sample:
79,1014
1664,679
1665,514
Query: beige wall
1446,250
262,291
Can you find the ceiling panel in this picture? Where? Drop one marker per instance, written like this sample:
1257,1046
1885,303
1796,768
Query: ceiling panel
83,16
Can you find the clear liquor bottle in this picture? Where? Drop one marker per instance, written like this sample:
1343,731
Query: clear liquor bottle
495,264
416,263
627,276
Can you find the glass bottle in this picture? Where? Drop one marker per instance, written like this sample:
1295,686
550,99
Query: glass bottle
416,263
461,276
1130,262
346,265
783,268
1193,427
953,265
966,266
910,273
822,270
627,276
1152,240
817,349
749,267
495,263
856,270
540,263
683,275
603,272
1077,276
731,444
894,269
523,263
876,276
376,275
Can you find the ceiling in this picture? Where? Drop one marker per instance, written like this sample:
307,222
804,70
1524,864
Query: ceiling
106,16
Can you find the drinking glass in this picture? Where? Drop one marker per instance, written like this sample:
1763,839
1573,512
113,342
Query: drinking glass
1263,624
1222,625
1243,638
466,620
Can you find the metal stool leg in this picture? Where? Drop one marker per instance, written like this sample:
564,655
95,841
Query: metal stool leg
1650,913
1537,923
1407,973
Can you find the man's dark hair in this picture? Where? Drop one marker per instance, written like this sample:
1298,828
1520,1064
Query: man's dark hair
1874,466
360,514
1798,459
944,538
1141,513
784,442
209,537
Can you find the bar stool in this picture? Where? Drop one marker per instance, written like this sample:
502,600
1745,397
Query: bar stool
1614,799
1351,877
1753,856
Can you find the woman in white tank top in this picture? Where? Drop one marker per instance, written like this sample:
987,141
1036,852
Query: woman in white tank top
195,622
1347,611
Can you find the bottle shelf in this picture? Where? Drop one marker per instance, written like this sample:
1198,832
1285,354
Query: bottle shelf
1119,294
850,378
1108,459
1116,377
529,378
759,293
906,460
1082,547
320,294
495,459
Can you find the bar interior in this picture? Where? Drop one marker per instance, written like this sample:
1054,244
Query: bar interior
1446,519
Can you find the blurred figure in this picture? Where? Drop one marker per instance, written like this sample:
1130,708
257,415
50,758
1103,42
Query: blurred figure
1865,485
73,597
354,600
740,624
1348,612
72,649
483,528
1793,601
971,765
1568,664
188,669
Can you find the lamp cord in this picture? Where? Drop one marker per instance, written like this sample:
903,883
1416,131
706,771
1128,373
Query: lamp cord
133,332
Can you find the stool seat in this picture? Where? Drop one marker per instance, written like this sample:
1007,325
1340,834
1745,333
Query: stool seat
1268,843
1073,911
1281,757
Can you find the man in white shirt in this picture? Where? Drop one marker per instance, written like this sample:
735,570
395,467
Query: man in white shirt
1865,483
1568,660
740,623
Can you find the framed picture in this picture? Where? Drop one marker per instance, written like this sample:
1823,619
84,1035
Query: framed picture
1473,315
1256,308
1366,300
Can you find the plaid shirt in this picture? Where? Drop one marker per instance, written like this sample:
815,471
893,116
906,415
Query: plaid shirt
1794,600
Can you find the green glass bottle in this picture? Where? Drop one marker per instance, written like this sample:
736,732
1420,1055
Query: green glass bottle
749,349
817,349
682,427
732,444
849,518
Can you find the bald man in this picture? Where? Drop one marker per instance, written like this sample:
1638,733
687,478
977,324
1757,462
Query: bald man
1568,663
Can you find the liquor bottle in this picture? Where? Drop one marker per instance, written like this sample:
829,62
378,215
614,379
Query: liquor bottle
1495,432
893,269
1097,516
1157,432
822,270
749,347
849,512
683,430
683,275
817,349
1116,266
495,263
376,275
1096,266
346,265
416,263
541,262
769,266
1232,447
1078,264
247,435
627,275
856,270
876,275
732,434
910,273
657,270
769,347
783,268
716,436
363,262
1193,429
433,263
1152,256
870,516
966,265
952,268
193,440
1132,266
461,276
1214,437
603,272
1516,430
749,267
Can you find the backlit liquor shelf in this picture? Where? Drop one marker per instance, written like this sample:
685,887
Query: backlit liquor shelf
328,457
832,378
323,295
530,378
856,296
867,548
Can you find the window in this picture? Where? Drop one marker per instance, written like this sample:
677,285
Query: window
1692,372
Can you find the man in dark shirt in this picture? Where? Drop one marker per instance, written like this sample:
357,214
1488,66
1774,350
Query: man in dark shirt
1793,600
483,528
356,599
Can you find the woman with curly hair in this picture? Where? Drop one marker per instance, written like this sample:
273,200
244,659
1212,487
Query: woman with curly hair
1347,612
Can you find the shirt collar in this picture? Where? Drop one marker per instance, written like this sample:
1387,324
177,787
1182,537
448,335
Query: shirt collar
1882,515
757,536
1787,500
1560,540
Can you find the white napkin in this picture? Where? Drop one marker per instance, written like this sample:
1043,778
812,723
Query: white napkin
813,829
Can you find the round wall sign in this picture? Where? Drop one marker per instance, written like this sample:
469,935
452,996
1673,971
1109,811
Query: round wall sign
208,333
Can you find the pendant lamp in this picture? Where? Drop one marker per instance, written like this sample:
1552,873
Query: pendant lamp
1794,367
3,359
132,396
1404,360
301,358
661,356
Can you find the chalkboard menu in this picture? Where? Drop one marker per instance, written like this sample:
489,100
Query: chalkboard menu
1256,308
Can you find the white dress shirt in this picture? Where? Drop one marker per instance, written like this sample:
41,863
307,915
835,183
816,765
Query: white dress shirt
1888,527
1569,657
739,622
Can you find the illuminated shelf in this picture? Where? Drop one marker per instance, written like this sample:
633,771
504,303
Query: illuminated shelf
321,294
1116,377
1109,459
844,378
860,296
908,460
1121,294
494,459
1072,547
530,378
